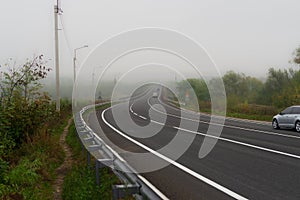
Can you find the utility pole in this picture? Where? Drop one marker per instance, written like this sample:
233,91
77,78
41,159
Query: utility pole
57,11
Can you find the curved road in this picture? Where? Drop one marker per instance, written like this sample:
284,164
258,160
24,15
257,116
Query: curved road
249,161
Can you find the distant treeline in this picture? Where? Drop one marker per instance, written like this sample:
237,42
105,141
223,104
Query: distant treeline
250,95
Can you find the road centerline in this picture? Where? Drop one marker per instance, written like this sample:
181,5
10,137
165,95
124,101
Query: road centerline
174,163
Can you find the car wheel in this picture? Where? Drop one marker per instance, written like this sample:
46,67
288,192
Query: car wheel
297,126
275,124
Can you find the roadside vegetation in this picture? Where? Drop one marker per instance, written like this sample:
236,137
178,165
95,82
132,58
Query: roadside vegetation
80,182
29,130
249,97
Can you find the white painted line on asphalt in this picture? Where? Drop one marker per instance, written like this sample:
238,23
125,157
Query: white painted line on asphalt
243,144
152,187
162,124
180,166
130,108
142,117
115,153
208,115
228,126
234,141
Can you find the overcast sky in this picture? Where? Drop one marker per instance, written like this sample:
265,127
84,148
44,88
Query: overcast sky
247,36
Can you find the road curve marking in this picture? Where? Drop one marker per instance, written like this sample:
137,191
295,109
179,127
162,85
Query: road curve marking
230,118
174,163
233,141
228,126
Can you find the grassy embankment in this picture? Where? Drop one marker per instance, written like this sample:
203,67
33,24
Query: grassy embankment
242,111
28,172
80,182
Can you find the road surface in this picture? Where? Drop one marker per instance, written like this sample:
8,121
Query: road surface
249,161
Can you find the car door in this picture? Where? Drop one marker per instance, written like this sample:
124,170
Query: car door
284,116
292,117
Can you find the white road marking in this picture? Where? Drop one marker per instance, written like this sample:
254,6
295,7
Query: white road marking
180,166
142,117
231,118
228,126
234,141
150,185
242,143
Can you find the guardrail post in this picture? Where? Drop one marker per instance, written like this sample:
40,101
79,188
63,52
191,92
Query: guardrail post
88,158
121,191
81,144
97,172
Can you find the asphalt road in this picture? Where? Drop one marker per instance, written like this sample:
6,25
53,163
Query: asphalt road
250,160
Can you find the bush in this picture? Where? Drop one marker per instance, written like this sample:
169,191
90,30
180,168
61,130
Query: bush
23,109
253,109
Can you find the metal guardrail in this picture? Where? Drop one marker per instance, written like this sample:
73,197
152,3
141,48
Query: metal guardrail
133,183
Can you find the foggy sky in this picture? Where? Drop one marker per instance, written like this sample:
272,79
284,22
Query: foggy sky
247,36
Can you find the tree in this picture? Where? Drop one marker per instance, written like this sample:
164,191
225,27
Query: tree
297,56
24,80
23,108
200,89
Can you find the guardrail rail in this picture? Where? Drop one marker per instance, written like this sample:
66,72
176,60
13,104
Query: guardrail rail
132,183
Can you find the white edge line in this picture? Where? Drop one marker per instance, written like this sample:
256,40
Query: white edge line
230,118
180,166
160,194
228,126
233,141
243,144
152,187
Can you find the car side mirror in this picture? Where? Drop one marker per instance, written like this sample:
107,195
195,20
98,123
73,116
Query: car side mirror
281,113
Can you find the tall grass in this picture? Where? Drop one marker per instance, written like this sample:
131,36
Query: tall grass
28,171
80,182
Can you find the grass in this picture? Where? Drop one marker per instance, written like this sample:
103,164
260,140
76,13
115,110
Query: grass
250,117
80,182
30,169
251,112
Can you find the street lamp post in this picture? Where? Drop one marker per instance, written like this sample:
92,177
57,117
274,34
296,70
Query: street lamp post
74,60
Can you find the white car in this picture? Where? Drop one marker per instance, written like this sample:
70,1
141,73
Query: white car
288,118
155,95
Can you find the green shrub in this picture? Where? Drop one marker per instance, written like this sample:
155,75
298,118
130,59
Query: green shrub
80,182
253,109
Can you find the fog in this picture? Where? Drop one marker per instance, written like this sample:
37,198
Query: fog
245,36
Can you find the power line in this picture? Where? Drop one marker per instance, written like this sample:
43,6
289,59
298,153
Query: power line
65,35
